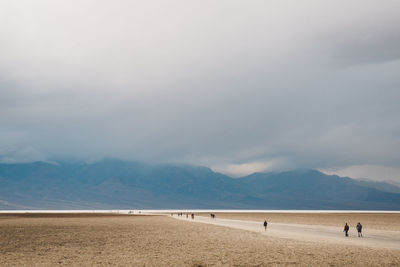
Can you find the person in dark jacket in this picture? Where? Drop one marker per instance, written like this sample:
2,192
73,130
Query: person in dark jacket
359,229
346,229
265,225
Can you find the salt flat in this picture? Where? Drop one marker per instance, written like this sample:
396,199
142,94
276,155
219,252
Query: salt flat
104,239
303,232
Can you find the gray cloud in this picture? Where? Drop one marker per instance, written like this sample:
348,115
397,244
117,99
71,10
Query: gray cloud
372,40
266,85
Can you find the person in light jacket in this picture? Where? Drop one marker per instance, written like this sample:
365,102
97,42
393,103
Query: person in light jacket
359,229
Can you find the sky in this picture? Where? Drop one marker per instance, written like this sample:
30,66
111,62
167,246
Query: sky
239,86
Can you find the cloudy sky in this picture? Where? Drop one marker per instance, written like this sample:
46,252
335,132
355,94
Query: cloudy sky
239,86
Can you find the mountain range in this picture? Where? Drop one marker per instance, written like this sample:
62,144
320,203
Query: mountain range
116,184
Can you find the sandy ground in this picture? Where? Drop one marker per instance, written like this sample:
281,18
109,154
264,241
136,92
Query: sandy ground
305,232
163,241
379,221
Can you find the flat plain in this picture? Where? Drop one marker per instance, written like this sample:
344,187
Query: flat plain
378,221
121,240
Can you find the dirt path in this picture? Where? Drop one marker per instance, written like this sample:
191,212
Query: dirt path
372,238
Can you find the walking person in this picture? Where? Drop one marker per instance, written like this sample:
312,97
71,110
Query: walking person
265,225
359,229
346,229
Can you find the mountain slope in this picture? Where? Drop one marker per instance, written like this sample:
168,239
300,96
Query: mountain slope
305,188
127,185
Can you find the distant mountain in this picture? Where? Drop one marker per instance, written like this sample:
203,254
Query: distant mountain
115,184
382,186
311,189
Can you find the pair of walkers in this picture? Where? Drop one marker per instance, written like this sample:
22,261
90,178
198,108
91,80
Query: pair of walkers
346,228
358,227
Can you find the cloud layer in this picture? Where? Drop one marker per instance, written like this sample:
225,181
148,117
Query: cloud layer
229,84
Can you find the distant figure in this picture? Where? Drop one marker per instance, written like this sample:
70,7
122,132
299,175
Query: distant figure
346,229
359,229
211,215
265,225
192,216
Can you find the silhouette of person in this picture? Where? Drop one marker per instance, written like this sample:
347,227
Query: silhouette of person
359,229
265,225
346,229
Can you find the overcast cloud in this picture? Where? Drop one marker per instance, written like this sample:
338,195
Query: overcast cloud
239,86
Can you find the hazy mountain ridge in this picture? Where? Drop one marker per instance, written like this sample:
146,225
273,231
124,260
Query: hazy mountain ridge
120,184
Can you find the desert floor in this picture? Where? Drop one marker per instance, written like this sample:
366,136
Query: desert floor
379,221
95,239
374,238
